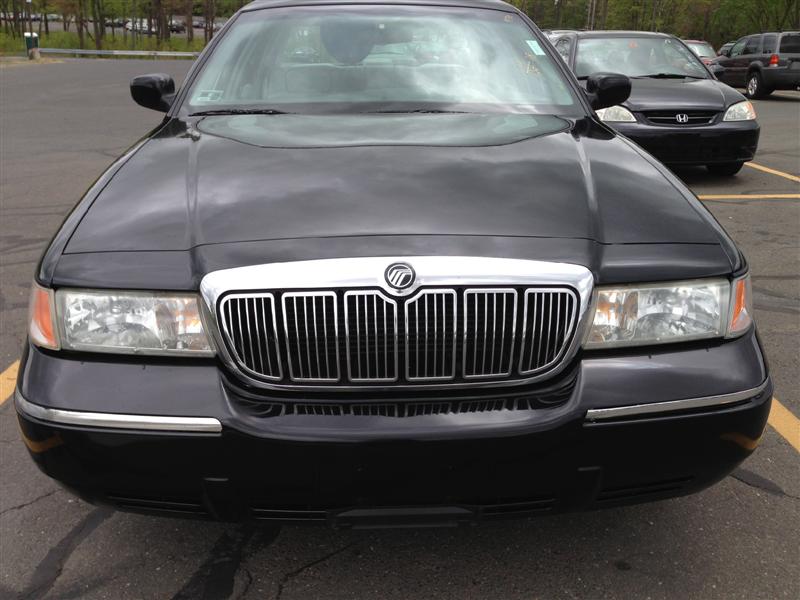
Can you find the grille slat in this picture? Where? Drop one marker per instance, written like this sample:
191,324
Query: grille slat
544,345
266,333
298,309
431,345
369,357
487,359
448,334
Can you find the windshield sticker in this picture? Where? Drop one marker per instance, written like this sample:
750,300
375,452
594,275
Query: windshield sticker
209,95
535,47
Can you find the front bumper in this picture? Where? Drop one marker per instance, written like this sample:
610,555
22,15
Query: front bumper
615,440
718,143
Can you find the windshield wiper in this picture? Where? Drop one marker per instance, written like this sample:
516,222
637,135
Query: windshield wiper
239,111
669,76
418,111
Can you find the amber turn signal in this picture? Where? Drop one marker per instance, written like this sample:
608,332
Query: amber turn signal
742,307
41,327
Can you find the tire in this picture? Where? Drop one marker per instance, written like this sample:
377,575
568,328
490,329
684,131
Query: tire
725,169
754,89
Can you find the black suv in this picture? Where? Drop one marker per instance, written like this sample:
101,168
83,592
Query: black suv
763,63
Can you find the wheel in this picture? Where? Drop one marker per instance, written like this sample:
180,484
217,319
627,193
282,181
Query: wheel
727,169
755,87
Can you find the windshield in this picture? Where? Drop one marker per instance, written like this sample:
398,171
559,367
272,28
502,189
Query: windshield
637,57
703,49
356,59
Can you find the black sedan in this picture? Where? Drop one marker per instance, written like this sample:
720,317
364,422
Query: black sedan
677,109
387,287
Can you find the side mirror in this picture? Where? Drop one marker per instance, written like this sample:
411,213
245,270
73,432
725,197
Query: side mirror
717,69
607,89
156,91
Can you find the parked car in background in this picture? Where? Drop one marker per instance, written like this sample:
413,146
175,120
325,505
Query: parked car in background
139,26
762,63
725,49
677,110
177,26
556,33
383,290
198,23
704,50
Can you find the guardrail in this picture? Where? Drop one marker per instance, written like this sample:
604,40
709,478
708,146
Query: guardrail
138,53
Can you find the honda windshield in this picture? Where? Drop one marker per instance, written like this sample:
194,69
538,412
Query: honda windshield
658,57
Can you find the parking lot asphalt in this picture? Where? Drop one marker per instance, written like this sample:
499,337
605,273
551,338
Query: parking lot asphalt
63,122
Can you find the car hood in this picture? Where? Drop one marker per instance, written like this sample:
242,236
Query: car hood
237,179
685,94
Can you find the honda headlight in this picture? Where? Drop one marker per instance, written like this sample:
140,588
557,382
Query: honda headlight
615,114
675,312
743,111
130,322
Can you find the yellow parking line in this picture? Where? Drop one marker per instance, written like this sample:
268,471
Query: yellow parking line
788,176
749,197
8,380
785,423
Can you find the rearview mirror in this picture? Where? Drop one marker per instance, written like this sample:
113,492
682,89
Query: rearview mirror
717,69
607,89
156,91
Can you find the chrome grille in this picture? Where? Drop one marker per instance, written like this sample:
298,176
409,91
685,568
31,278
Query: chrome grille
312,336
547,327
248,323
670,117
431,322
370,322
364,336
490,319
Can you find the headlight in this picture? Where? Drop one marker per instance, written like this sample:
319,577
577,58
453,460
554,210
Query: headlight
130,322
743,111
676,312
615,114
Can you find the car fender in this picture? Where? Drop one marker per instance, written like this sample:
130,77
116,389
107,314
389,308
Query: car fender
756,65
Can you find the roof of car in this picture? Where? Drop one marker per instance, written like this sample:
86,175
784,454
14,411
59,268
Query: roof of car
621,33
494,4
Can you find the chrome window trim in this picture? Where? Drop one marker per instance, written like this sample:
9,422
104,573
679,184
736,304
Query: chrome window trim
655,408
117,421
389,301
515,296
414,300
368,272
224,329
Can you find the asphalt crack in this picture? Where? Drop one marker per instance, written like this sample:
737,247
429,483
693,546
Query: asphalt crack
248,582
292,574
215,578
760,483
29,502
49,569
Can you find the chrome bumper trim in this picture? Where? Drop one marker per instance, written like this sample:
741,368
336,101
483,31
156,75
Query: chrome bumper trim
117,421
656,408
